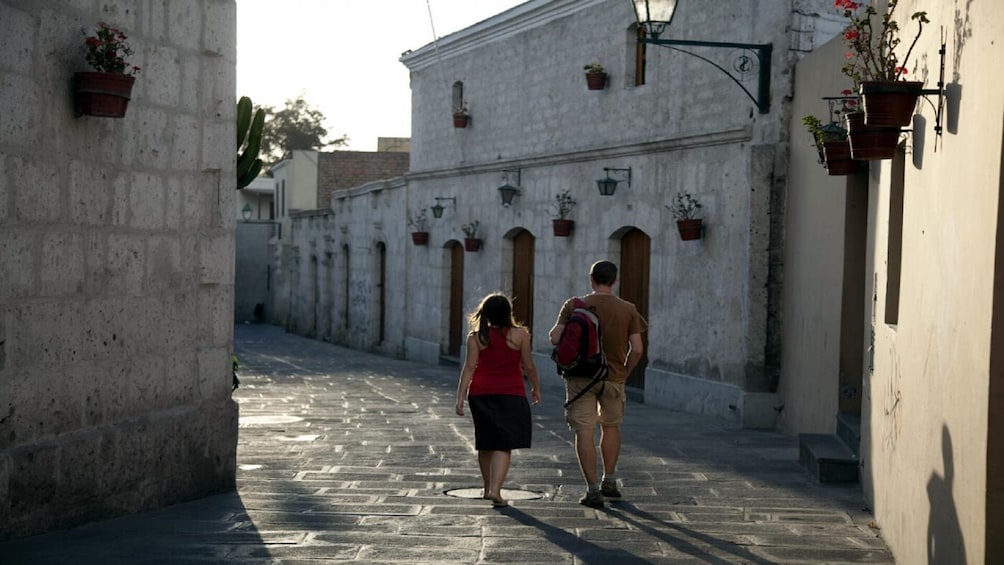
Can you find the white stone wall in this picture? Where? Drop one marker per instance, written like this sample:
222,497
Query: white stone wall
116,266
713,303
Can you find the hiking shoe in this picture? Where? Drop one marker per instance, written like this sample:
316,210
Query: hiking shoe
592,500
609,489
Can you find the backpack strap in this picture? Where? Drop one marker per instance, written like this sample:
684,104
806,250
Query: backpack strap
597,379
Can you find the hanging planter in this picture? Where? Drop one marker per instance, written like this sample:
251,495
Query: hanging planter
562,227
104,95
596,77
870,143
889,102
461,116
689,229
562,206
472,244
417,221
684,210
106,91
837,156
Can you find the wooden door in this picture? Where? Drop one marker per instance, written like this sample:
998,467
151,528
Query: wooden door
522,277
456,298
634,280
382,292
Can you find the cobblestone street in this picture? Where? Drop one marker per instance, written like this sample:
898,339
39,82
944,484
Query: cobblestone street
346,456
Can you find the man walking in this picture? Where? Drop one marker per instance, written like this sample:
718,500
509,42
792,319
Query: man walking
621,326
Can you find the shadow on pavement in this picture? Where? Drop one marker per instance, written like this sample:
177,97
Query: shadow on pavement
630,513
584,551
204,530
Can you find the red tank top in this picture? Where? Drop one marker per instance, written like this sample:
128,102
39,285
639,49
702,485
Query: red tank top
499,369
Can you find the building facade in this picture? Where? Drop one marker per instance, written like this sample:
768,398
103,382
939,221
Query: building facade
807,298
713,304
892,292
116,266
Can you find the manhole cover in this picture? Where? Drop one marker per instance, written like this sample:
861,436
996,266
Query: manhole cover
507,494
267,420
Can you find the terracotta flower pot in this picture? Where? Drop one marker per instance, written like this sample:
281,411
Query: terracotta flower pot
460,120
837,156
472,244
689,229
103,95
420,237
889,102
596,81
870,143
562,226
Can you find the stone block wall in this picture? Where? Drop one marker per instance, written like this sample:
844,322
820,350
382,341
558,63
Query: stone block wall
116,266
714,304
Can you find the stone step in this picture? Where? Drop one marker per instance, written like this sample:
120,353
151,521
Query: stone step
827,458
849,431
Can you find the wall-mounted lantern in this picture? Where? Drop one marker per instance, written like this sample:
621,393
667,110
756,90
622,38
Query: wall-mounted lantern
608,185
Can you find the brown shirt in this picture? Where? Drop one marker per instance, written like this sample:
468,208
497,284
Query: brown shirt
618,320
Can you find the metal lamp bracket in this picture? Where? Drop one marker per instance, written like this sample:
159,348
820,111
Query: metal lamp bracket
742,64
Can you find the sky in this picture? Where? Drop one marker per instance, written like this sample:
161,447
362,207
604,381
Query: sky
342,57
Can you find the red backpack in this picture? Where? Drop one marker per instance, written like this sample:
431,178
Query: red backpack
579,352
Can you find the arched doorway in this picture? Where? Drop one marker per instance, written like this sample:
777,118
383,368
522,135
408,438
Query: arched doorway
523,245
456,313
636,249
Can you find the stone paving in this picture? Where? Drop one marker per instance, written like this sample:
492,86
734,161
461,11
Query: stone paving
346,456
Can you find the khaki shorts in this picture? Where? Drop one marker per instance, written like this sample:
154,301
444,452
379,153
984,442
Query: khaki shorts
604,403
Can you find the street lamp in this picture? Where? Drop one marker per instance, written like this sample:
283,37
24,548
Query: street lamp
507,190
246,211
437,208
654,16
607,186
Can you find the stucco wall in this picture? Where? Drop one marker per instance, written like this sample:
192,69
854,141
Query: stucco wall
813,257
251,270
927,437
116,262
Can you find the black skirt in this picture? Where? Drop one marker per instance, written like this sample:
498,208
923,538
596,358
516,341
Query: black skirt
501,422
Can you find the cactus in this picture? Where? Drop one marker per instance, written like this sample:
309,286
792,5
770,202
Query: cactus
248,136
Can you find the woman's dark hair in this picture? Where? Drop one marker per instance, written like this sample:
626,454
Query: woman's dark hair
494,311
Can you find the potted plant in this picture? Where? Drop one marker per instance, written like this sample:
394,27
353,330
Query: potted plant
461,117
472,242
684,209
562,206
106,91
873,65
419,235
834,150
596,76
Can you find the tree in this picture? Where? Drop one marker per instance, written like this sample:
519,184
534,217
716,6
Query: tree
297,126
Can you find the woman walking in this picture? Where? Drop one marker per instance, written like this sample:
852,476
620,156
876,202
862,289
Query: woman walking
498,354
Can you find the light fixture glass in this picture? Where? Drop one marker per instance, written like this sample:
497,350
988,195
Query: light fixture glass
437,208
607,186
654,15
246,211
508,192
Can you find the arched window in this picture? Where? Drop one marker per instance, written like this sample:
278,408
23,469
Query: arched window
458,102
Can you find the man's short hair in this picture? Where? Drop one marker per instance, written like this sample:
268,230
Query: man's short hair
603,272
